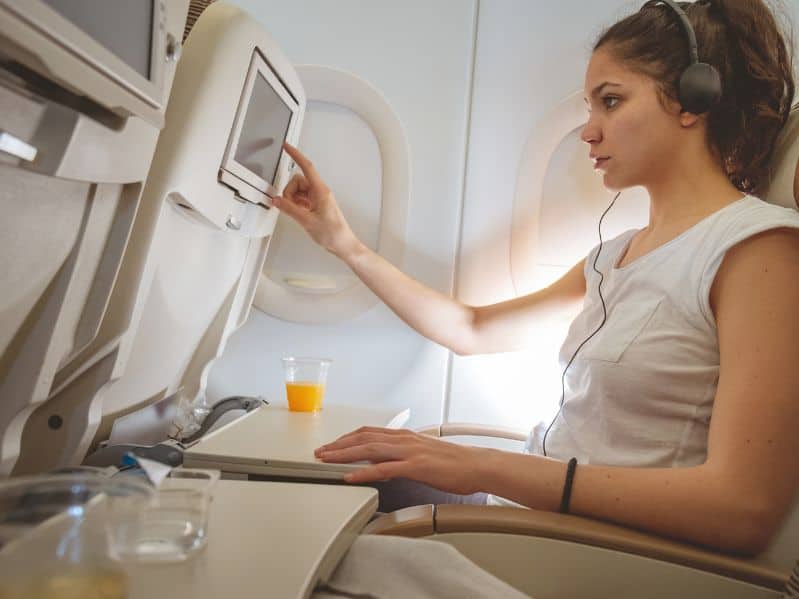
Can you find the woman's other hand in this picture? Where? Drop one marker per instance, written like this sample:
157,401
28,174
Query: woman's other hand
310,202
405,454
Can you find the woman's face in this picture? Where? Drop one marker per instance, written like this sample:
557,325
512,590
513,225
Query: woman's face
632,136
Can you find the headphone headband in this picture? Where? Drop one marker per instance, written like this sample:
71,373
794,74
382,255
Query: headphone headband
700,83
693,50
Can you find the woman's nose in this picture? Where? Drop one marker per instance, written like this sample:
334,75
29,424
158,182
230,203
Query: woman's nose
591,133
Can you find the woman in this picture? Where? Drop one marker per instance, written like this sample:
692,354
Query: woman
681,395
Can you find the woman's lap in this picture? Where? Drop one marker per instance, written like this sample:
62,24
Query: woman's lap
399,493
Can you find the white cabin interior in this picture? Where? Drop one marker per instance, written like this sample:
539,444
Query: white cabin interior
143,265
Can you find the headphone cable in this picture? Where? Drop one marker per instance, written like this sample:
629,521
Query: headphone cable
601,324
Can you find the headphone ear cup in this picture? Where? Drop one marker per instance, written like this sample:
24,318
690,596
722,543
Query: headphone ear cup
700,88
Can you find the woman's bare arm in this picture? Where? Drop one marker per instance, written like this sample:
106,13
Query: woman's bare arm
463,329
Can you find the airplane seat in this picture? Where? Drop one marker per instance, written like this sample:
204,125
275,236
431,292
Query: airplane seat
83,93
206,220
172,235
549,554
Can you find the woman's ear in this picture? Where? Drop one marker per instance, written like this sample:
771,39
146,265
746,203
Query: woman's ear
688,119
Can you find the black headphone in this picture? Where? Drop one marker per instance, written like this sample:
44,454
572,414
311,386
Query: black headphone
700,83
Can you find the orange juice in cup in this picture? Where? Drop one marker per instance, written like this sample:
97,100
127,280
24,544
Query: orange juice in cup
305,382
304,396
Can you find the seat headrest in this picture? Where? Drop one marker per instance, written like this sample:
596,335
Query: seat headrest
780,188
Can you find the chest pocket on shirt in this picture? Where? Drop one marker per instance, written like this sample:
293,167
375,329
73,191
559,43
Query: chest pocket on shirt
621,328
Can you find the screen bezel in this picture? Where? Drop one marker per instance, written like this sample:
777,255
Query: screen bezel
50,23
258,66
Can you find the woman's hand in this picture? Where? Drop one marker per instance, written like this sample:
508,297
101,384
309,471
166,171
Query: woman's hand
310,202
405,454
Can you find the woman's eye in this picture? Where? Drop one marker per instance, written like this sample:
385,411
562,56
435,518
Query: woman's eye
610,101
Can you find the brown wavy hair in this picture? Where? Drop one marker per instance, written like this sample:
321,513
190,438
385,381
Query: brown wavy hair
745,42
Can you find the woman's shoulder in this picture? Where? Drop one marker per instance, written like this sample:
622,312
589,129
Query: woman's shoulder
750,216
760,206
741,223
750,232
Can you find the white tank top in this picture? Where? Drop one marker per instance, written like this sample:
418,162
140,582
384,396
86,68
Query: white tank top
640,392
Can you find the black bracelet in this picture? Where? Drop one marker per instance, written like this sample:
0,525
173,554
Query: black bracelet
567,486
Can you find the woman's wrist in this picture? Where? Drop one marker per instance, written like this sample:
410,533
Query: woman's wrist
350,250
530,480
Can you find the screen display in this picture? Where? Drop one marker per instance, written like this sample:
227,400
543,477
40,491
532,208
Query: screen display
124,27
263,132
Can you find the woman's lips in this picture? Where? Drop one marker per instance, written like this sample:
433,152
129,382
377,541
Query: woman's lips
600,162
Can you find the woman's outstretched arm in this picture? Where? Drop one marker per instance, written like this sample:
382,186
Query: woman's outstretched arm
464,329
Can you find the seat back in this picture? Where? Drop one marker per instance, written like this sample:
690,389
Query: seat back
782,190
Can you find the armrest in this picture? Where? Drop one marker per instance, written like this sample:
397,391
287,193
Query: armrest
452,429
429,520
413,522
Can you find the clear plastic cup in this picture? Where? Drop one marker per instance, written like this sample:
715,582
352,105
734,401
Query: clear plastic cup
55,532
305,382
174,525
